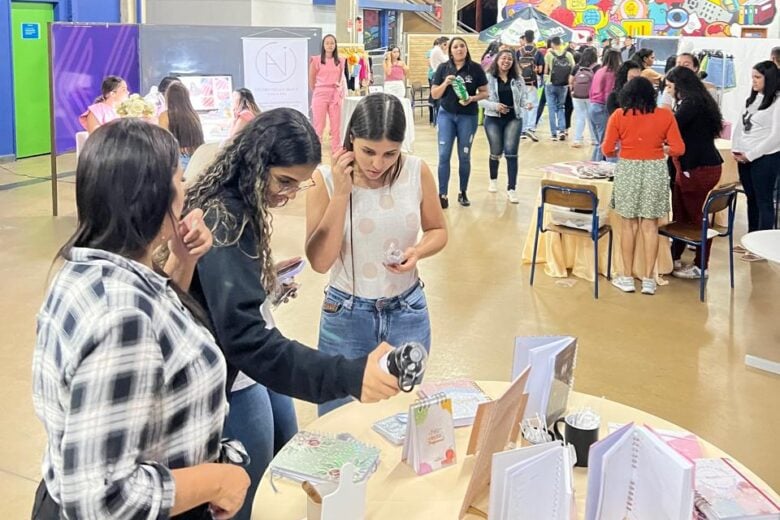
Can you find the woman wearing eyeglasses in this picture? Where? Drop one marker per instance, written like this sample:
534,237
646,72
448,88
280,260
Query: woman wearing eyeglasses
373,201
756,148
264,167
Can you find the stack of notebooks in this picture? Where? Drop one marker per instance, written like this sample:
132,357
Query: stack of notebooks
633,473
532,483
723,493
318,458
466,396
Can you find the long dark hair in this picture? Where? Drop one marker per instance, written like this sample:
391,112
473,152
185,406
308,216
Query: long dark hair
688,88
247,101
468,52
638,95
621,78
768,69
612,59
183,121
492,48
109,85
280,137
124,188
166,82
323,58
640,55
512,73
588,57
378,116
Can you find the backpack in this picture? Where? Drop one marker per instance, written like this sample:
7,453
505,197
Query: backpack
581,85
527,63
560,70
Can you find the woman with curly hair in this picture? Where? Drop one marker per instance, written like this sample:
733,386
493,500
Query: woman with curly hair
264,167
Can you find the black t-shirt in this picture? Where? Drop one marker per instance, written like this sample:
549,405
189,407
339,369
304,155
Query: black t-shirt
506,97
472,75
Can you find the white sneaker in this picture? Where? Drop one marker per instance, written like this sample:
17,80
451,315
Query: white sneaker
689,272
648,286
512,194
624,283
493,186
678,265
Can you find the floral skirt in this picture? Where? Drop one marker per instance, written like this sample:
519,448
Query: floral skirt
641,189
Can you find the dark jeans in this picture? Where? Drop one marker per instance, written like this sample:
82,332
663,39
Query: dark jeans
503,134
758,179
688,197
433,105
542,103
461,127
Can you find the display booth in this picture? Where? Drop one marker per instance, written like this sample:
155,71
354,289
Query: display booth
213,60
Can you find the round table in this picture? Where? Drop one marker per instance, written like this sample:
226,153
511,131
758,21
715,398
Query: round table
562,252
395,491
765,244
350,102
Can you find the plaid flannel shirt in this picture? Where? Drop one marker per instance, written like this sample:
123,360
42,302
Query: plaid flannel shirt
127,385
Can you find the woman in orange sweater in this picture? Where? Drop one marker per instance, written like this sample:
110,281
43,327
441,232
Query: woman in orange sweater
641,191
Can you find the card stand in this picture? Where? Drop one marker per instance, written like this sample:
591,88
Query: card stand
347,501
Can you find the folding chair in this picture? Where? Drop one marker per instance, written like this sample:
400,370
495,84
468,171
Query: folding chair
720,198
419,97
575,196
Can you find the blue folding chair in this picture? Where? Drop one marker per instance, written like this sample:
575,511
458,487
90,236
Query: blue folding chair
580,197
720,198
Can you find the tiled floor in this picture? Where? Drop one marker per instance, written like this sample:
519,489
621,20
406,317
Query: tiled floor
669,354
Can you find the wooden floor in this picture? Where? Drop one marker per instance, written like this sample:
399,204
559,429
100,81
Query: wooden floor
667,354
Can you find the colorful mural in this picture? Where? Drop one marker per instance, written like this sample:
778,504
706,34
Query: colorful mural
616,18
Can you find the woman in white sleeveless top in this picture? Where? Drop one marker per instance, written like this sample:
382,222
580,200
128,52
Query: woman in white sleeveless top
372,201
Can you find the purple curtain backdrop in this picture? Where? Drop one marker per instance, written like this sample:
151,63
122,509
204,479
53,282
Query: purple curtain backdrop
82,55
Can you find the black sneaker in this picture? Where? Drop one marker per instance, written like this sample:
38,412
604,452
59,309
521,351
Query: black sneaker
463,200
562,136
444,202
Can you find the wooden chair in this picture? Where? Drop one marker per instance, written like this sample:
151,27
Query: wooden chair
720,198
575,196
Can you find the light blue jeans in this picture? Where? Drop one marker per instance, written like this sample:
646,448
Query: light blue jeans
580,118
598,120
529,114
263,421
358,325
556,103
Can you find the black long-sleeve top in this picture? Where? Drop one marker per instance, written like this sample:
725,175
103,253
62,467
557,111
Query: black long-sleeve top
699,144
227,283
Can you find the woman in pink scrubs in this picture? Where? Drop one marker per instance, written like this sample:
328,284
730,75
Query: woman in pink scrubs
326,80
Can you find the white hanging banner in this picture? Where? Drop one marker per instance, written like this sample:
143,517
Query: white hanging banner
276,71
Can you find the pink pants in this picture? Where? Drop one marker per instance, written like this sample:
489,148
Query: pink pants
327,101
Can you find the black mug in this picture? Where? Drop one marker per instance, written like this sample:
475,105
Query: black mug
577,437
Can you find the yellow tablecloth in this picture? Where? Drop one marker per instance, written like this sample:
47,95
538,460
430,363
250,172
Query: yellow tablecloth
395,492
561,252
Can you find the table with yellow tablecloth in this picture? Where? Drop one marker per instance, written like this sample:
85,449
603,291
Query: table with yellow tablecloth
395,491
562,252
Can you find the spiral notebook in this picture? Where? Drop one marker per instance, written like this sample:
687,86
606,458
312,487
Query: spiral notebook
634,474
430,435
319,457
723,493
532,483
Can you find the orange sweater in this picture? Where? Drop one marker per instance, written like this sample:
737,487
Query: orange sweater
642,136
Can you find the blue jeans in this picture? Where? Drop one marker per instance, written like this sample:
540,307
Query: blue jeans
358,325
452,126
758,179
529,114
263,421
503,134
598,120
556,102
580,118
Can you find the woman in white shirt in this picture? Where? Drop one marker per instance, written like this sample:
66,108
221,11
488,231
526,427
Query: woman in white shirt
388,202
756,147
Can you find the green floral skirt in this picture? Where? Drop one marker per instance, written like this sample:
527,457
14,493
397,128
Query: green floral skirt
641,189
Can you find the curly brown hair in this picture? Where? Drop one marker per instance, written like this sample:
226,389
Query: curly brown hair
282,137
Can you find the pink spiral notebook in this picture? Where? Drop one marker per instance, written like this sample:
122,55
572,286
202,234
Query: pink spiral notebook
723,493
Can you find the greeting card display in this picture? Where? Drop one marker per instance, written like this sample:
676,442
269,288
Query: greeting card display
430,435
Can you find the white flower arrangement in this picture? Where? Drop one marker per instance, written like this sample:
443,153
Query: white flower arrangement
136,106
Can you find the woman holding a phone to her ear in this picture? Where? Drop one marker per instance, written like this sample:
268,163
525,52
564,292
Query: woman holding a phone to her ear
370,218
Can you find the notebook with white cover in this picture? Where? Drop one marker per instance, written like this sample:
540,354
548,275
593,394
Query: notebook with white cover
392,428
466,397
552,360
430,435
634,474
532,483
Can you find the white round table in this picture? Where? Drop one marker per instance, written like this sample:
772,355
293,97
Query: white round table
765,244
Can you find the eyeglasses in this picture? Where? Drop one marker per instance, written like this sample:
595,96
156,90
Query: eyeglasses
288,188
747,121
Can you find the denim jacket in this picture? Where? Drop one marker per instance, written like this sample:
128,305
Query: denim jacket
519,96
